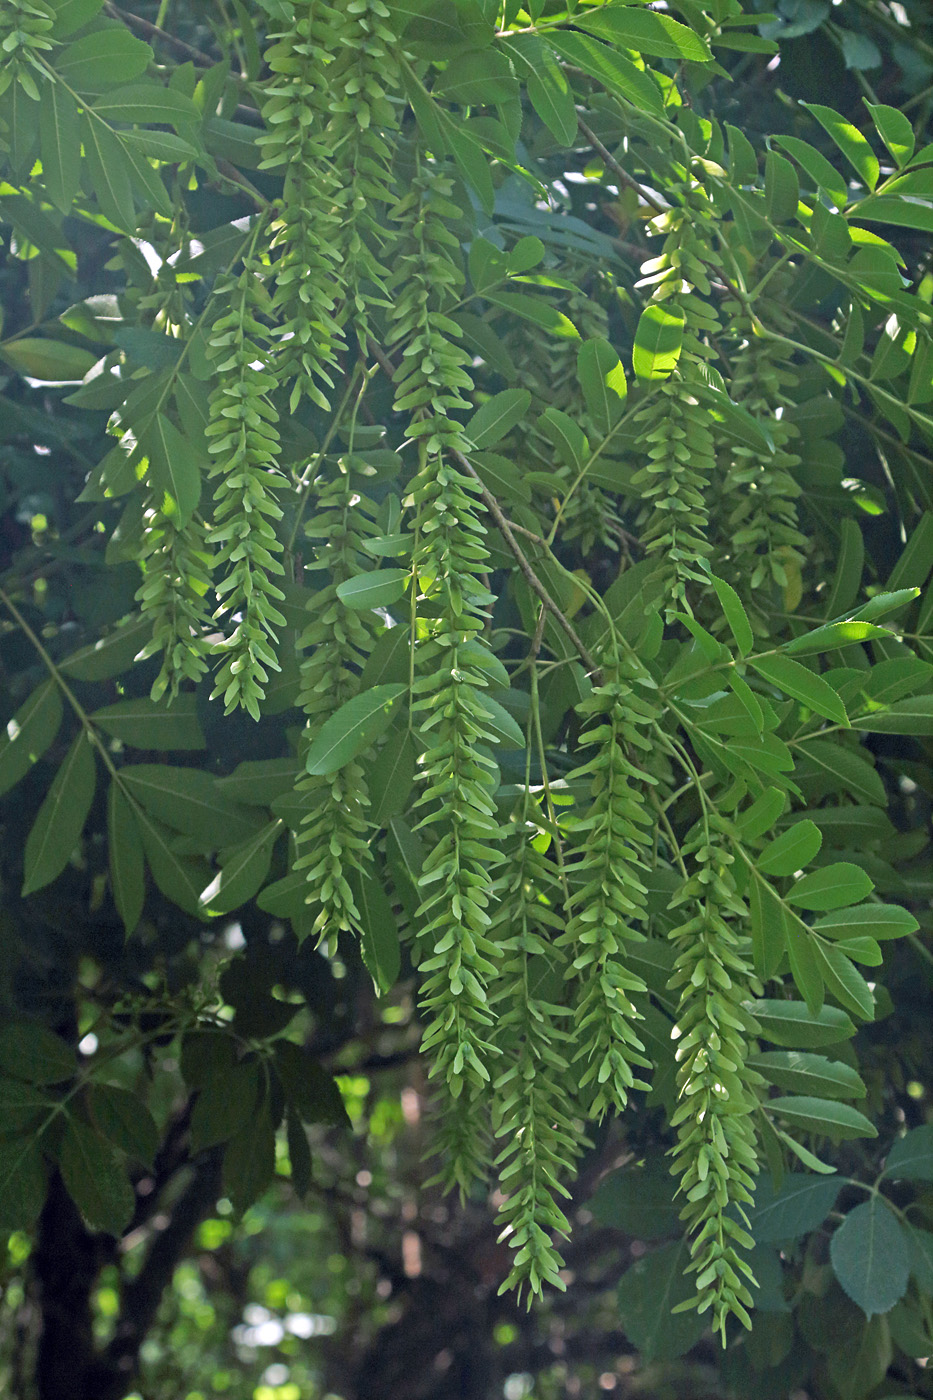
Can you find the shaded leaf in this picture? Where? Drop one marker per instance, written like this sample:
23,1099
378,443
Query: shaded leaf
638,1201
249,1161
25,737
646,1294
789,1023
22,1182
800,1205
125,1121
226,1103
127,866
95,1178
146,724
189,800
380,940
870,1255
60,820
912,1155
30,1051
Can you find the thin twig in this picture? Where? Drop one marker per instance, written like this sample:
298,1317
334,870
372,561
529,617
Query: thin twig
154,32
620,170
505,529
531,578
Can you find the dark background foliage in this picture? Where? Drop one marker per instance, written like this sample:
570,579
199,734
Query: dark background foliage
349,1275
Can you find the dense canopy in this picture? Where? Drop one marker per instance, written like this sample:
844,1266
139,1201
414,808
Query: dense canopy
466,658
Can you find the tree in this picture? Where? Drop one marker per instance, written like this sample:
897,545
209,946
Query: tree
468,531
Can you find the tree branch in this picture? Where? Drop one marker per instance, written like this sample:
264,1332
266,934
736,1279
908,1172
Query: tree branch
143,1294
619,170
498,515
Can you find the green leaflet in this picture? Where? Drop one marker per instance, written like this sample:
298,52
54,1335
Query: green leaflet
27,736
789,1023
834,634
870,1256
380,942
658,342
894,128
355,726
831,887
792,850
95,1178
497,417
173,466
568,438
842,769
800,1205
147,102
110,173
51,360
144,724
30,1051
803,685
102,60
913,716
782,192
820,170
880,921
188,800
377,589
125,1122
735,614
60,135
73,14
647,31
824,1117
602,380
809,1075
243,871
616,72
552,98
912,1155
60,820
850,141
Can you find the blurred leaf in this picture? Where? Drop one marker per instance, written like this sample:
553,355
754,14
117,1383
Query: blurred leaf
95,1178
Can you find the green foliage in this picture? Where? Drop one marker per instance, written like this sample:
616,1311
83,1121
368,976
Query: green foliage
536,466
